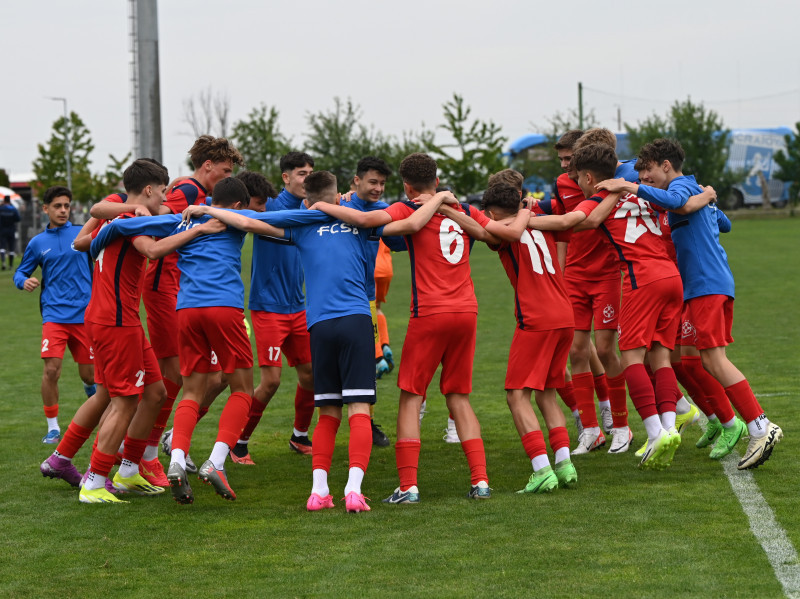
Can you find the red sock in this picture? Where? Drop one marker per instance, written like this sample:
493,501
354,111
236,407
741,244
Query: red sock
743,399
201,412
51,411
101,463
559,437
716,397
161,421
601,387
324,442
303,408
134,449
407,457
233,418
584,396
567,394
257,408
183,424
641,390
73,440
650,375
666,389
619,400
360,445
691,386
476,458
533,442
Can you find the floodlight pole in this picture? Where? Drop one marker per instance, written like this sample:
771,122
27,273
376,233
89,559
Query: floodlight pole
66,140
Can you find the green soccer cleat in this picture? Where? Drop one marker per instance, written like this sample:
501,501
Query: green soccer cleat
713,430
135,484
728,439
684,421
640,452
100,495
543,480
659,452
566,474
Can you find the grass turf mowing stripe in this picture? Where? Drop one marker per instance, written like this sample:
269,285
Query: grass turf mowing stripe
770,535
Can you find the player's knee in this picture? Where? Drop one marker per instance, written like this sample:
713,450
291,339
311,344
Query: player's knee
52,372
579,353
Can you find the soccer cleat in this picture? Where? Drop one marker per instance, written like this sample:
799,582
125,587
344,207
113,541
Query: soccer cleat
244,460
179,484
480,491
410,495
713,430
728,439
191,467
621,439
300,444
55,467
640,452
589,440
100,495
659,452
108,484
153,472
606,420
317,502
356,502
166,442
578,424
135,484
450,433
381,368
566,474
217,479
760,448
388,356
52,437
543,480
379,438
684,421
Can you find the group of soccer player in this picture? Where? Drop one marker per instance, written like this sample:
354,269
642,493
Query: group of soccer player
631,247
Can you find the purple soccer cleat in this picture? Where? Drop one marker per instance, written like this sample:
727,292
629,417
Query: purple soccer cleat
55,467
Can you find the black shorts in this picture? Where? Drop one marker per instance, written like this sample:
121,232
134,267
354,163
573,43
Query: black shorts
343,360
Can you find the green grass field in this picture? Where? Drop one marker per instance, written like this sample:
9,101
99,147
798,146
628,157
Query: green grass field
622,533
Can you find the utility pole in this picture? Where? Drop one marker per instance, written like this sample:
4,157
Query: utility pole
580,105
66,139
145,84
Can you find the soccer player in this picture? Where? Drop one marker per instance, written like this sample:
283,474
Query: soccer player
651,296
339,322
538,355
66,286
439,255
9,217
708,287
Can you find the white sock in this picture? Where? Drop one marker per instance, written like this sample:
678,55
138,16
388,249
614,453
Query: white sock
150,453
668,420
451,423
52,424
320,482
298,433
683,406
712,417
219,454
758,427
540,461
652,425
94,481
605,403
242,441
354,481
128,468
730,423
178,456
561,455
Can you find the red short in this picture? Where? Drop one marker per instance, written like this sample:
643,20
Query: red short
651,313
687,334
446,339
162,324
207,331
594,300
56,336
276,333
382,288
124,361
538,359
712,317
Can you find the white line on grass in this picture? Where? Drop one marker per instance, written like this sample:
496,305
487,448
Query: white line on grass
771,394
780,552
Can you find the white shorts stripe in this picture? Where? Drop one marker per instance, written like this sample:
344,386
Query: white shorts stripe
321,396
352,392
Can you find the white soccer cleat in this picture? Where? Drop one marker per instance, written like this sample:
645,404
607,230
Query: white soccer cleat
760,448
589,440
621,439
606,420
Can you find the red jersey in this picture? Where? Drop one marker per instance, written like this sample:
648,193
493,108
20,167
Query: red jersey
163,275
587,256
439,254
666,232
634,234
540,301
117,284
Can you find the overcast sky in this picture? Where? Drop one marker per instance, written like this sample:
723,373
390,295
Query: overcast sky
515,62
